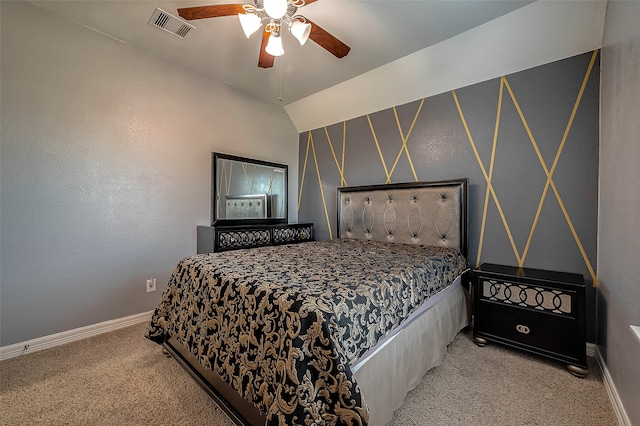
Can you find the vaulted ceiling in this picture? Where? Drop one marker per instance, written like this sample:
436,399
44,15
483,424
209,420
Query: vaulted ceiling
378,32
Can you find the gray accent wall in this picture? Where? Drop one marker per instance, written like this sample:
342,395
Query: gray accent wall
618,297
547,123
106,169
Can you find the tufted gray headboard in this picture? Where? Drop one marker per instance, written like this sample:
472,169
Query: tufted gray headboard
426,213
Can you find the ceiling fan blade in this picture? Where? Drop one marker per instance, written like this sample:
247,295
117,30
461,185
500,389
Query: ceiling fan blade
329,42
213,11
264,59
306,2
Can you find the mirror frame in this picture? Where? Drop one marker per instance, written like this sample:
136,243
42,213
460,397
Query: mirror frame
215,156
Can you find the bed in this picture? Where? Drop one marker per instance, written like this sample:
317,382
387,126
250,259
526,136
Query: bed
326,332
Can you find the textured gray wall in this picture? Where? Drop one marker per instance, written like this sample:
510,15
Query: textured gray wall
541,114
619,223
106,169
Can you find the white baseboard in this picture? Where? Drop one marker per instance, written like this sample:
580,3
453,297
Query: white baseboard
52,340
616,402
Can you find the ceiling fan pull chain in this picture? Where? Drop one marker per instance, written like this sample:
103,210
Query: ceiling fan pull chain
280,83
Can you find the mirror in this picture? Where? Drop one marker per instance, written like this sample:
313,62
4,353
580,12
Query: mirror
248,191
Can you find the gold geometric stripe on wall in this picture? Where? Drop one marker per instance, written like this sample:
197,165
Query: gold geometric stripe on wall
304,170
324,202
549,173
404,139
311,148
375,139
340,167
489,190
487,178
520,258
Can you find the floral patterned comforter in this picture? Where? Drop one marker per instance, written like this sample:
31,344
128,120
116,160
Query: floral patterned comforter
283,324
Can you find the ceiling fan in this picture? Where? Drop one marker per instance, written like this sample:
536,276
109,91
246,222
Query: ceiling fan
274,15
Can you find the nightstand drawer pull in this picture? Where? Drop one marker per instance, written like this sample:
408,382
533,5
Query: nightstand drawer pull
522,329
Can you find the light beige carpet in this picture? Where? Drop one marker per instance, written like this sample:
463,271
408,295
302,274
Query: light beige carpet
120,378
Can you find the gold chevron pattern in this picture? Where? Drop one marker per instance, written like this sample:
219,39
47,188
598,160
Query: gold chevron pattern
505,94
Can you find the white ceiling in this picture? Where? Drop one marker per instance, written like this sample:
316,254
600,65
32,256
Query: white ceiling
378,32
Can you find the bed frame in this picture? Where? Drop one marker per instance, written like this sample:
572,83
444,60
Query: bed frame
426,213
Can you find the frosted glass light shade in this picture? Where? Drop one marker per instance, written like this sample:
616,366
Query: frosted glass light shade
274,45
250,23
275,8
301,31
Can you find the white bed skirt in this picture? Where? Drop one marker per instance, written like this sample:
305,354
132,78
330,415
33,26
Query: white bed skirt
396,367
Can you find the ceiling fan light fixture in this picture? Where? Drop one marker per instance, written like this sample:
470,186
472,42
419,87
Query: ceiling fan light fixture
250,23
273,15
301,31
274,45
276,9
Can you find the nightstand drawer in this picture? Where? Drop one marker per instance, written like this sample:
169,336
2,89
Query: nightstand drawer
536,297
540,332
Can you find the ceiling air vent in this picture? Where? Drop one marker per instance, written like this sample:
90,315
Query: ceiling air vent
169,23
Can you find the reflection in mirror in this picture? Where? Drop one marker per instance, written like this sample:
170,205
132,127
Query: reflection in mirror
247,190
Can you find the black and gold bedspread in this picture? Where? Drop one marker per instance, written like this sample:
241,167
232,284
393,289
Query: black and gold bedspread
282,324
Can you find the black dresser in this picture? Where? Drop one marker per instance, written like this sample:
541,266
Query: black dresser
221,238
539,311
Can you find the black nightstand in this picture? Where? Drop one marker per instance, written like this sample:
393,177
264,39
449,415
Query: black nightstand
542,312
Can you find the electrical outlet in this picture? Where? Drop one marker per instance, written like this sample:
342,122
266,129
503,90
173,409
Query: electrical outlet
151,285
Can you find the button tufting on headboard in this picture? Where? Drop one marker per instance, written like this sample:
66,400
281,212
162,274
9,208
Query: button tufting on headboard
428,213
